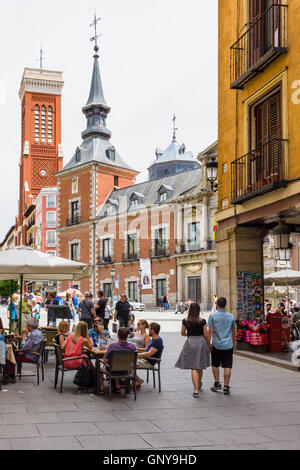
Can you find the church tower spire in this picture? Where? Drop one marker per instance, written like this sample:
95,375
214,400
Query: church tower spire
96,108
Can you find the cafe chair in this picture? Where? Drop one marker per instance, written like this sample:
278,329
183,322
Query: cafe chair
155,369
2,364
60,365
122,365
39,362
49,337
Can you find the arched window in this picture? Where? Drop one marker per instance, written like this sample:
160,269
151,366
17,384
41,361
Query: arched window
37,124
50,115
43,125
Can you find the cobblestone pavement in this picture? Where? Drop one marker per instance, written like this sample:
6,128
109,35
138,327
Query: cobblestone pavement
262,412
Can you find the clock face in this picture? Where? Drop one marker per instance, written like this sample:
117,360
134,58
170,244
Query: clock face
43,172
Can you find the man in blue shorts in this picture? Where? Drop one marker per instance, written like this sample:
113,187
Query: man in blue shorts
221,326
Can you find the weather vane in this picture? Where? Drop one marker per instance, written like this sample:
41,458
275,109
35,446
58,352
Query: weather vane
174,127
95,38
42,57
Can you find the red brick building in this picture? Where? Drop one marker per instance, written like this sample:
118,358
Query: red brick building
41,157
86,181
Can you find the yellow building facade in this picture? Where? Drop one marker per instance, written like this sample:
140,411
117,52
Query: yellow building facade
259,138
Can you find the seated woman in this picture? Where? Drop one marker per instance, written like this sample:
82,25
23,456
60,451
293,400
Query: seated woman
61,337
75,344
142,338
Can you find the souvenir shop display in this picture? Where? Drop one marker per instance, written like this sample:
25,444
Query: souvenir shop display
250,296
252,335
252,330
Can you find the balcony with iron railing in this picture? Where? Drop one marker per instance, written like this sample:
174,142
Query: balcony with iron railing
159,252
73,221
264,41
186,248
130,257
102,260
259,171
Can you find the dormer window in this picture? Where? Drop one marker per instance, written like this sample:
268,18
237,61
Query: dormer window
111,153
111,207
135,204
163,197
182,149
78,155
164,193
136,200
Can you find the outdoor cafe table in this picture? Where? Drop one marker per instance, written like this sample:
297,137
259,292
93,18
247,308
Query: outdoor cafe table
97,354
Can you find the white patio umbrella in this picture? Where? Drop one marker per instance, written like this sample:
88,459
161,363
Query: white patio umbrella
23,263
37,266
286,277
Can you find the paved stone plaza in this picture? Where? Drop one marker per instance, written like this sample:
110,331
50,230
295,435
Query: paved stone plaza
263,411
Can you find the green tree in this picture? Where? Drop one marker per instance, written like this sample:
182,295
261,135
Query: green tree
5,288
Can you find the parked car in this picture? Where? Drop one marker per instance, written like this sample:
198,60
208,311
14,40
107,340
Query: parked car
135,305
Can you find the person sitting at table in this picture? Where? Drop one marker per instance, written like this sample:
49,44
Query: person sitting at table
153,351
98,333
122,345
62,336
75,344
31,338
141,338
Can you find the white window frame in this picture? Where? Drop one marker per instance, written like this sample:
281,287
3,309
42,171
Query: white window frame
50,243
51,224
49,206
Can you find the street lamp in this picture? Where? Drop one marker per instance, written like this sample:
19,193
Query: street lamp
281,237
141,272
113,272
212,174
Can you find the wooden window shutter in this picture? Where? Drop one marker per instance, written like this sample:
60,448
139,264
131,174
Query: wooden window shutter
268,135
275,132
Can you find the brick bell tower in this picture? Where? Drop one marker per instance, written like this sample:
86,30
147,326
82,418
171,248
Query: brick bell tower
41,149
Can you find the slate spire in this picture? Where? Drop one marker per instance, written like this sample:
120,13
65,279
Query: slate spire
96,108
